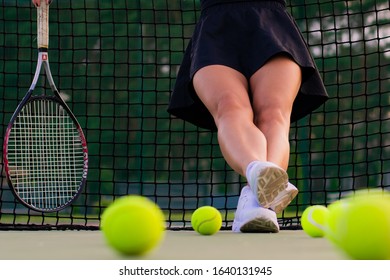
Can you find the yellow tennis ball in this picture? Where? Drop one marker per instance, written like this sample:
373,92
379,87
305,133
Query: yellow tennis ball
133,225
335,220
314,219
363,229
206,220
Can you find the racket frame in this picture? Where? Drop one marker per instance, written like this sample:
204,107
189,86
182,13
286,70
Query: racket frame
43,59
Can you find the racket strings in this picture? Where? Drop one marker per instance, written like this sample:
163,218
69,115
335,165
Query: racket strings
45,155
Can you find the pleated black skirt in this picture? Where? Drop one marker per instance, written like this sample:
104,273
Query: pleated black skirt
244,35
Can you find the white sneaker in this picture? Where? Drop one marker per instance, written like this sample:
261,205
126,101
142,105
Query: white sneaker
267,180
284,198
251,217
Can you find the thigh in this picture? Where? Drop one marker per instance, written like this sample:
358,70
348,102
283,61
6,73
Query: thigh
220,87
275,86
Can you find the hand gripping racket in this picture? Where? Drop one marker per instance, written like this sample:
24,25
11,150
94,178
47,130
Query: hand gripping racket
45,151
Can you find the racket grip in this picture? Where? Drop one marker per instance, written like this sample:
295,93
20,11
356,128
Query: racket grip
43,25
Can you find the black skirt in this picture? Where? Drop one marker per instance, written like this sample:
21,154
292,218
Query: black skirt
244,35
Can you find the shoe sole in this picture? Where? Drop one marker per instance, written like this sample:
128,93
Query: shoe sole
280,204
271,181
259,226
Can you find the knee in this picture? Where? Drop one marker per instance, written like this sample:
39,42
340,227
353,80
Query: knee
230,108
272,118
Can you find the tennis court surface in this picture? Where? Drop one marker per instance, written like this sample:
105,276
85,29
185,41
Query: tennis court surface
177,245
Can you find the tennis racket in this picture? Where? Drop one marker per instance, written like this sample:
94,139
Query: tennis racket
45,151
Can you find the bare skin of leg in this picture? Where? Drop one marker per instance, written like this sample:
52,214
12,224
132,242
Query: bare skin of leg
257,131
274,88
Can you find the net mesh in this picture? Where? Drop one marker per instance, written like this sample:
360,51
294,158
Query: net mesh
115,62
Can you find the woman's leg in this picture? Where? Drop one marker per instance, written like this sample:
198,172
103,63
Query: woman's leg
224,91
274,88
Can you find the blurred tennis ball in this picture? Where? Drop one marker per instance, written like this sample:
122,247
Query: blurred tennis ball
360,226
206,220
133,225
314,220
335,220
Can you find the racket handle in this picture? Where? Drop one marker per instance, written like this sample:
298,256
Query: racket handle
43,25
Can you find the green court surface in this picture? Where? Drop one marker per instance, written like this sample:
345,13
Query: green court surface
177,245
